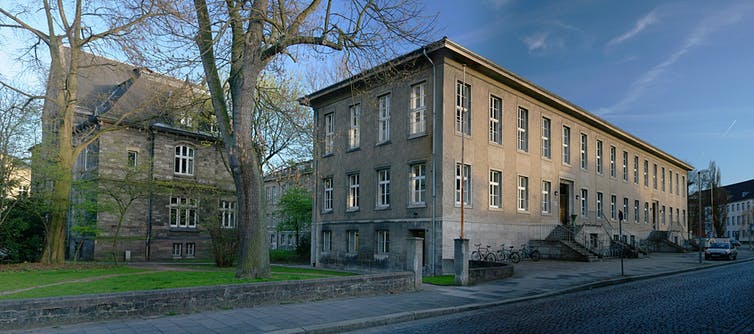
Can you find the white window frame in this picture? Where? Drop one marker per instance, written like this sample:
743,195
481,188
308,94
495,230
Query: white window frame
646,212
625,208
329,133
352,241
636,169
133,159
417,112
354,126
466,187
184,160
546,197
646,173
522,197
418,186
496,179
383,188
227,214
496,120
326,241
352,200
183,212
584,202
584,151
177,250
383,128
637,211
600,200
522,130
613,167
654,176
463,108
598,155
383,242
613,207
190,249
625,166
327,201
546,138
566,145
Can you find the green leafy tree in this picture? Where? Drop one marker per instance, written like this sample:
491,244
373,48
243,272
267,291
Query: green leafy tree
295,206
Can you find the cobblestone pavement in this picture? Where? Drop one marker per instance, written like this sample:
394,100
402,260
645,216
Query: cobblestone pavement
531,280
715,300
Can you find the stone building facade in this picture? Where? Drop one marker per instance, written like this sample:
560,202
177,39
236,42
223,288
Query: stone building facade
151,185
400,147
739,210
276,183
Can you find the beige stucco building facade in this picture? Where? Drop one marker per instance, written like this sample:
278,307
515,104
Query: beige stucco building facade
390,155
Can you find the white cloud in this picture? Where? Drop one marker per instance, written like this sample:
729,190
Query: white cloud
498,4
639,26
536,42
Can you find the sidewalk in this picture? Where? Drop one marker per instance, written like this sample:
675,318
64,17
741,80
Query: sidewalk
530,280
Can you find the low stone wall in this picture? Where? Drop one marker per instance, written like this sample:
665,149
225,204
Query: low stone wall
39,312
483,271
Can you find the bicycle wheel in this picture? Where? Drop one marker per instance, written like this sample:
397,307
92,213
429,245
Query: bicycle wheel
515,258
501,257
535,256
475,256
491,257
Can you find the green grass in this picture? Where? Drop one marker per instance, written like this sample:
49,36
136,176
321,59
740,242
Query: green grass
440,280
131,279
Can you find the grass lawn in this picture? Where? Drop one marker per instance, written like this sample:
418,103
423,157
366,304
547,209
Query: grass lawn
59,281
440,280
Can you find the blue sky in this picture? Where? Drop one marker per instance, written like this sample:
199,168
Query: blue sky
677,74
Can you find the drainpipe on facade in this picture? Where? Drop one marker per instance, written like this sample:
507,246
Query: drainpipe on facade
434,183
150,195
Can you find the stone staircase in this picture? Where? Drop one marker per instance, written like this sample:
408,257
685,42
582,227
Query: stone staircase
660,242
582,253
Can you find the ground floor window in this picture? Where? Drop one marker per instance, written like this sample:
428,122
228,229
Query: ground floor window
383,242
183,212
326,241
352,241
177,250
190,249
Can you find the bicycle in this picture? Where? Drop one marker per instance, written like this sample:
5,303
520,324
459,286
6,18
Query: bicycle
525,252
483,254
506,254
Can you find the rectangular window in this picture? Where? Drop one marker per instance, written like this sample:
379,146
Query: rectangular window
598,161
418,109
523,193
418,184
584,203
329,133
670,215
646,213
584,162
183,212
326,241
184,160
496,120
625,208
613,207
636,169
566,145
496,178
613,172
654,176
684,217
523,130
662,215
463,108
190,249
228,214
677,183
354,133
383,188
625,166
670,181
546,139
646,173
352,202
600,213
327,198
463,184
636,211
177,250
662,178
133,159
352,241
383,129
383,242
546,198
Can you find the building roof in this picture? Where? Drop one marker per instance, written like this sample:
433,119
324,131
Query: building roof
489,68
740,191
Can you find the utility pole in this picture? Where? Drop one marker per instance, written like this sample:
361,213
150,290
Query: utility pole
699,195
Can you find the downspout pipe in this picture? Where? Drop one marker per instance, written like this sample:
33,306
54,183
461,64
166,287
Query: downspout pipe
150,196
434,156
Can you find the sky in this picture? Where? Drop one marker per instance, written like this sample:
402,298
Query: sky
677,74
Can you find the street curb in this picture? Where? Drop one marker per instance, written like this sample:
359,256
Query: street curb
390,319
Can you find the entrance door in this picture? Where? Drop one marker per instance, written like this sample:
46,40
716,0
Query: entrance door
565,203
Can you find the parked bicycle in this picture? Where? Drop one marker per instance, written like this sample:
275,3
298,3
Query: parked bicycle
483,254
504,255
526,252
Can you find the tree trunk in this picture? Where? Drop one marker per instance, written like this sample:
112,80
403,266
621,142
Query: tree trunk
254,257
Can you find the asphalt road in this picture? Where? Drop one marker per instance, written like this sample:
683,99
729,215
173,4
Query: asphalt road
718,300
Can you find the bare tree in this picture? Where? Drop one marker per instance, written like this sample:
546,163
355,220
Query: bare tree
68,29
241,41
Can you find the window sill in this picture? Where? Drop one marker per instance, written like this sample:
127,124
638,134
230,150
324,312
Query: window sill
328,155
417,135
184,229
354,149
382,208
383,143
326,212
417,206
356,209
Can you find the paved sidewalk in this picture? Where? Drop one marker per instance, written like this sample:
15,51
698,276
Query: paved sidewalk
531,280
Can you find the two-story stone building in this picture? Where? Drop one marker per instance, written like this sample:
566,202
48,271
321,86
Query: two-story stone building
401,147
154,180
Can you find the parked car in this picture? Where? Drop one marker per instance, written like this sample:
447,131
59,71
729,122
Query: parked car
735,243
721,250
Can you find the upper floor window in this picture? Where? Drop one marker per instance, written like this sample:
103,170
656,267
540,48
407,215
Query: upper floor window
133,159
599,157
654,176
584,152
384,118
183,212
418,109
496,178
184,160
496,113
383,188
677,183
329,133
670,181
354,133
228,214
352,203
463,184
463,108
566,145
646,173
625,166
418,184
683,179
546,138
613,172
662,178
636,169
327,199
523,130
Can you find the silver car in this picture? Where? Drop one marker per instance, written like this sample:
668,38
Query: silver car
721,250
